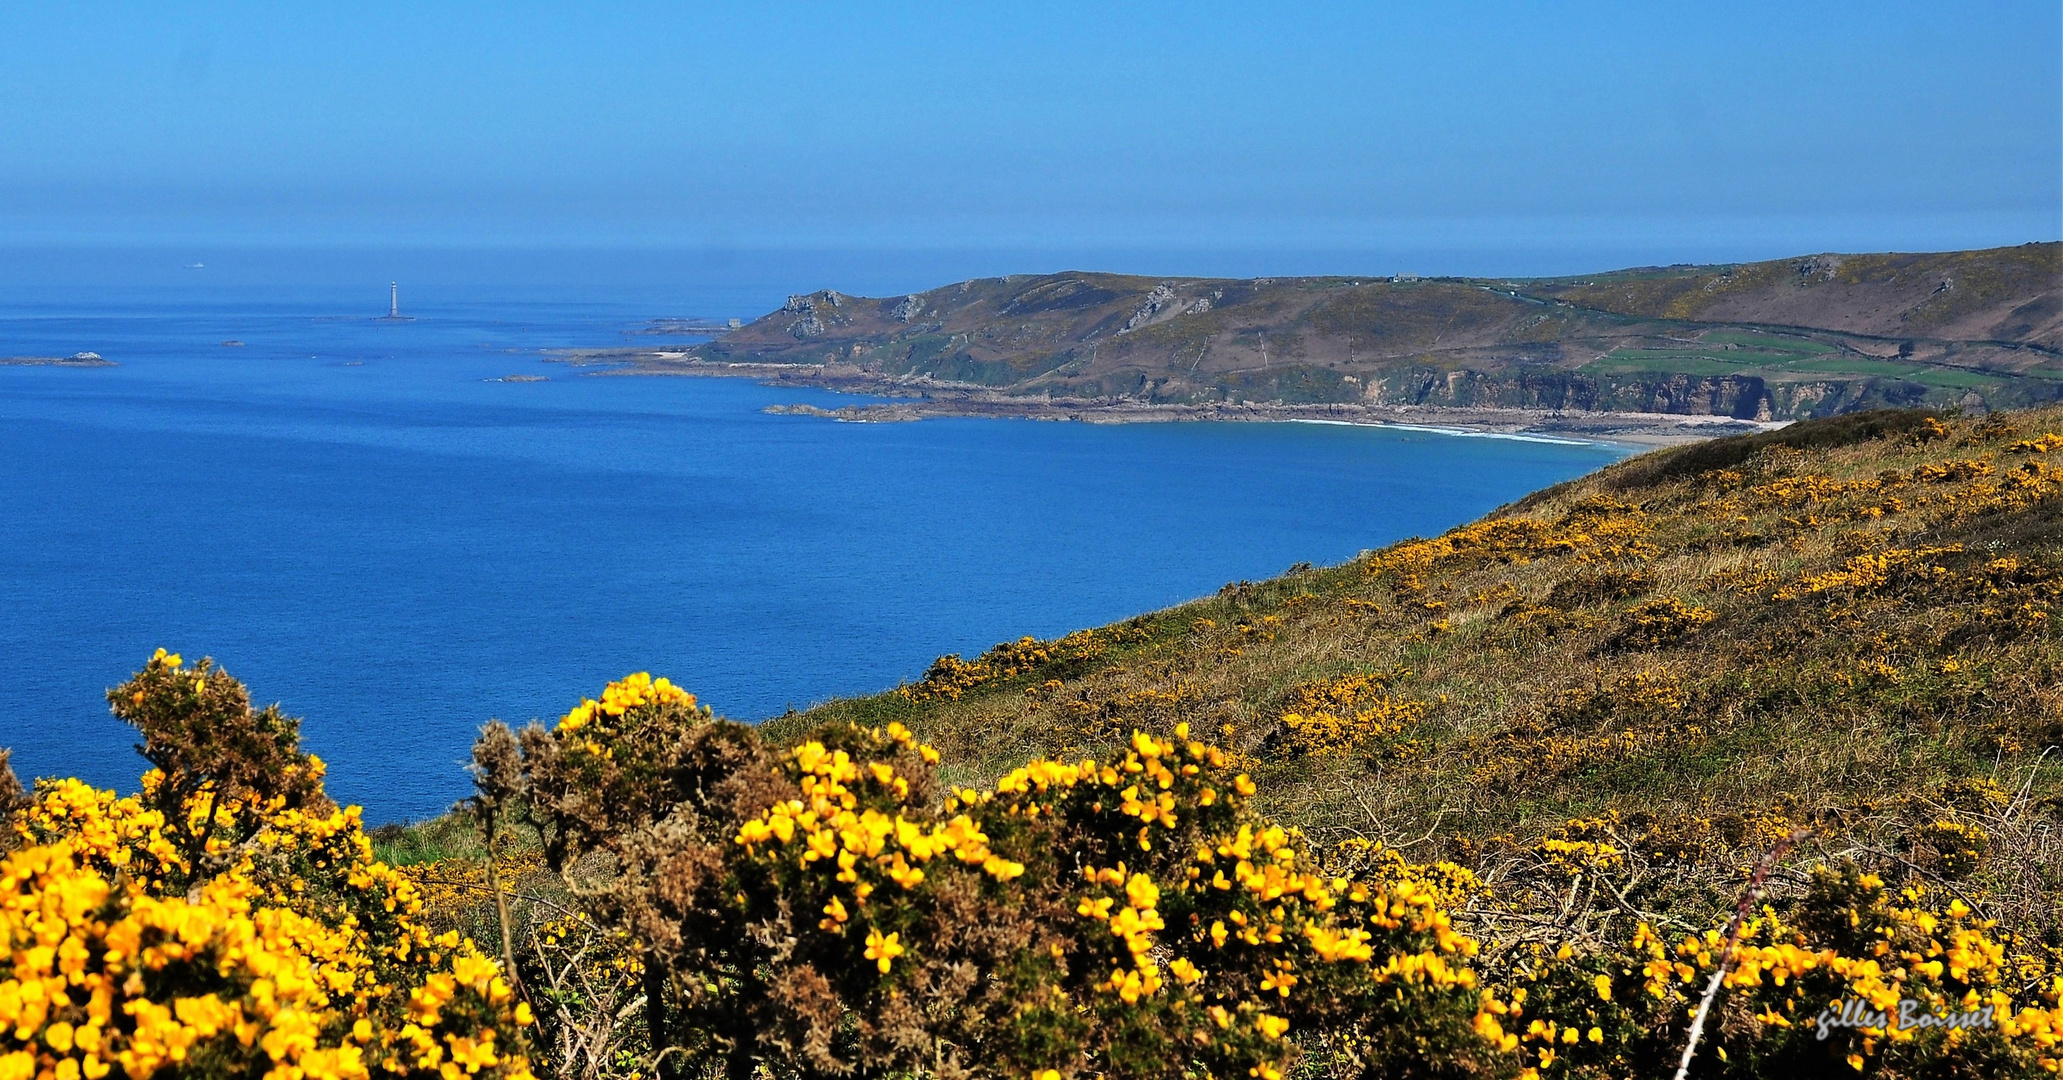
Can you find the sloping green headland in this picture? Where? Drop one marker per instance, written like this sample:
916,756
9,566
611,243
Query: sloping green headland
1786,339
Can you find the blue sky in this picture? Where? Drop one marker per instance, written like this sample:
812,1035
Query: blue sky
1710,129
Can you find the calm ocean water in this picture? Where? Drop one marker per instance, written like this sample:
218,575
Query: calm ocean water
350,516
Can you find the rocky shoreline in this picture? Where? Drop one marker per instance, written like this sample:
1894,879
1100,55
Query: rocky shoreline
920,398
1643,429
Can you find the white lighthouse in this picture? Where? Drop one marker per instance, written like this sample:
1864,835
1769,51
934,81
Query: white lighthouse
394,304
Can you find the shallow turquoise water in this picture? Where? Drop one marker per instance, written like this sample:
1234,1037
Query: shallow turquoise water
350,517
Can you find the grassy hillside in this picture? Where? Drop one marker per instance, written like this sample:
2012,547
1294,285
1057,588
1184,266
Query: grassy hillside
1787,339
1848,625
1810,676
2000,294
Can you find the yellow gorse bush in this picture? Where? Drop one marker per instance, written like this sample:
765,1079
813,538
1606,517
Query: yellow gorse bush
623,695
2040,445
949,677
1268,920
288,970
228,932
1842,961
1347,714
826,907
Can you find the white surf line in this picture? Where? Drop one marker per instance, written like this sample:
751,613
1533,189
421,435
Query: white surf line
1462,433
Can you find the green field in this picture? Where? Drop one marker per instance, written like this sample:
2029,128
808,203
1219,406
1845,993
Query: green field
1767,341
1720,352
1891,369
1666,361
1769,354
1851,365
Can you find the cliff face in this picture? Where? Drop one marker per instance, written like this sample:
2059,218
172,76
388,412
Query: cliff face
1742,397
1779,340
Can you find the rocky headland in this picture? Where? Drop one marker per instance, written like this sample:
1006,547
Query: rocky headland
1657,353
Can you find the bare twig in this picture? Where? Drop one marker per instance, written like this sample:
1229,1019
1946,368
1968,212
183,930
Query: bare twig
1733,936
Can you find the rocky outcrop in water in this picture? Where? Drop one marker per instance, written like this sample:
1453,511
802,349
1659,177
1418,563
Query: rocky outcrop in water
80,359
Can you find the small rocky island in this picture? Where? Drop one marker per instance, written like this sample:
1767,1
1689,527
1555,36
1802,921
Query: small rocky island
79,359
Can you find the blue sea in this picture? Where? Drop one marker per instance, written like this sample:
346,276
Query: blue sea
354,517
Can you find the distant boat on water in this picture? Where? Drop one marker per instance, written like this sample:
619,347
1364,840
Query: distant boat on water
394,305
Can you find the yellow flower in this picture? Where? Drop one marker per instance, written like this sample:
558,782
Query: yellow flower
882,950
1279,981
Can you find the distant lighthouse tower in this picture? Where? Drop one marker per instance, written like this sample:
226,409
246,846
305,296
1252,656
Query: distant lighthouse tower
394,304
